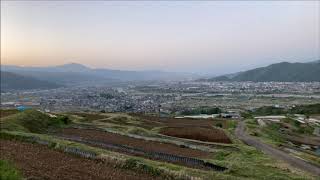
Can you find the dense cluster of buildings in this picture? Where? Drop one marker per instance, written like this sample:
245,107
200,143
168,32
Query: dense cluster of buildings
165,97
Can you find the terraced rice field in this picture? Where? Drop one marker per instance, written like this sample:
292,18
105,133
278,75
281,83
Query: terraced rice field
39,162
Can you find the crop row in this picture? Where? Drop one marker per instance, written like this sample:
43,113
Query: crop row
152,155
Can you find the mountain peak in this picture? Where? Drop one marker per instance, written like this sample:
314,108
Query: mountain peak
74,67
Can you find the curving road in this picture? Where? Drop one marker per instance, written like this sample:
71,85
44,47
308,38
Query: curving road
275,153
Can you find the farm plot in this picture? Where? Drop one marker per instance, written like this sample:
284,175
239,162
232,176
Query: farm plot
175,122
182,160
152,146
195,129
37,161
138,147
204,133
7,112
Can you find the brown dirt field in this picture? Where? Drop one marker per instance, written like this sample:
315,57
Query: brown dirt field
157,121
197,129
208,134
133,142
175,121
39,162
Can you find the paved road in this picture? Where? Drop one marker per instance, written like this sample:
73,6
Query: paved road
275,153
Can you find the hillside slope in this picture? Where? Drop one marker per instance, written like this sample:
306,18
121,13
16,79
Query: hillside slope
285,72
12,81
31,121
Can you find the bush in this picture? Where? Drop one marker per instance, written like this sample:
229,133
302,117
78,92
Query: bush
221,155
269,110
301,109
246,115
306,109
296,123
218,125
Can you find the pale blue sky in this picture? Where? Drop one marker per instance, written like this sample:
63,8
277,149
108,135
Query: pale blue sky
211,37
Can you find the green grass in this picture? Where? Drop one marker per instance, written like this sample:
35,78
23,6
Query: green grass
301,109
310,157
32,121
231,125
251,163
89,117
8,171
270,133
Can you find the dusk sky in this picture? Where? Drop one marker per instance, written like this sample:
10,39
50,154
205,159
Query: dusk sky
213,37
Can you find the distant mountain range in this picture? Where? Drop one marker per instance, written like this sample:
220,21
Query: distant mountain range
17,77
78,74
279,72
12,81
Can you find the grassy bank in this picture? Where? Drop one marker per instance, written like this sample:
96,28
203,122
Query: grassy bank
8,171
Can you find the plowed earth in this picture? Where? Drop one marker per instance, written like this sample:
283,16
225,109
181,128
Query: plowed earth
196,129
113,138
198,133
39,162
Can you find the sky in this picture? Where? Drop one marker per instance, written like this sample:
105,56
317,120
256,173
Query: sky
213,37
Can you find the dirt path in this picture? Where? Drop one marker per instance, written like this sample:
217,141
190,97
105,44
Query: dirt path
39,162
275,153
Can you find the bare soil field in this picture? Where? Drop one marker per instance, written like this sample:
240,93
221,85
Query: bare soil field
113,138
176,122
196,129
39,162
207,134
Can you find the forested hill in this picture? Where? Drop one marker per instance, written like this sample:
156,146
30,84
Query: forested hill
282,72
